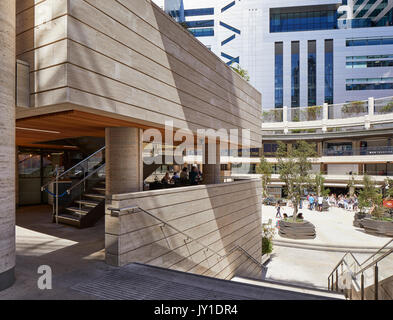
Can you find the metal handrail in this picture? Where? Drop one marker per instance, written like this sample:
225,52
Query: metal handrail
343,260
75,166
235,247
374,262
85,178
391,241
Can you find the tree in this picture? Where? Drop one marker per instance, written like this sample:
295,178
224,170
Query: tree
319,183
265,169
389,188
351,186
294,166
370,197
242,72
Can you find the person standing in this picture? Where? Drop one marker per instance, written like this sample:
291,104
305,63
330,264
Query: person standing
311,200
320,203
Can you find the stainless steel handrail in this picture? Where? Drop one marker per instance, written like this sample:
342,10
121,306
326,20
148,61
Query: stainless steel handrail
85,178
391,241
72,168
234,248
374,262
343,260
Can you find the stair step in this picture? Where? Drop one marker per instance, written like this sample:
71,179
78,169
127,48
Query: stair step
94,195
88,203
69,219
99,189
77,210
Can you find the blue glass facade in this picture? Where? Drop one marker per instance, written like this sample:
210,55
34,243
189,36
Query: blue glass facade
369,42
369,84
303,21
312,72
200,24
199,12
295,74
203,32
278,75
329,59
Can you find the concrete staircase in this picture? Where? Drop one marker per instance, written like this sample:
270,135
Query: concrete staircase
86,211
143,282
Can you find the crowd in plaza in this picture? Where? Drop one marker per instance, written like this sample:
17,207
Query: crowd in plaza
316,203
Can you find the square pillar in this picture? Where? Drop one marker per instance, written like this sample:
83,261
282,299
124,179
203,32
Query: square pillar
124,160
211,164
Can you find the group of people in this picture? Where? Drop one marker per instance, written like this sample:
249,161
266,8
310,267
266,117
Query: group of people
185,178
315,202
346,202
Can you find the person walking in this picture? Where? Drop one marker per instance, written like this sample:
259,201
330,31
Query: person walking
278,208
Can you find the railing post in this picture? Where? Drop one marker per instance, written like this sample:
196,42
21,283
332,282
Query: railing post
337,280
376,282
285,119
325,116
371,106
362,286
329,283
57,195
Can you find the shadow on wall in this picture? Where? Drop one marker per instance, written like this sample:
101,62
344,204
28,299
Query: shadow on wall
204,83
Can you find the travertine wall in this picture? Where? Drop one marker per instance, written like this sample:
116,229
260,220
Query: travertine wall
7,142
219,216
129,58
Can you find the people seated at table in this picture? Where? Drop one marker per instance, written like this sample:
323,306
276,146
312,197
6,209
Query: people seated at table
184,175
175,178
194,176
166,180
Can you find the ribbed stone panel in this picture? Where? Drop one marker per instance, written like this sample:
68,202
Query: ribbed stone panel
7,142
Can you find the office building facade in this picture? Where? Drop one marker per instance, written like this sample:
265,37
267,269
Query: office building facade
302,53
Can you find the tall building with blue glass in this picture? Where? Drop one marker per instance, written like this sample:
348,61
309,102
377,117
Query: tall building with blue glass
301,52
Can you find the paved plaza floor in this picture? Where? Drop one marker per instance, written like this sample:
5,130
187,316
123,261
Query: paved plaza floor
309,262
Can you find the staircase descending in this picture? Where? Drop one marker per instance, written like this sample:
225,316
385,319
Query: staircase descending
370,280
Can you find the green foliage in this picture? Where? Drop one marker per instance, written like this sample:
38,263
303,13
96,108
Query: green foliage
388,108
268,232
389,188
242,72
294,166
314,112
371,197
265,169
319,186
354,107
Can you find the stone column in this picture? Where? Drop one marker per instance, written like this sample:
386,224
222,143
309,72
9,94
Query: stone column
124,160
7,143
211,166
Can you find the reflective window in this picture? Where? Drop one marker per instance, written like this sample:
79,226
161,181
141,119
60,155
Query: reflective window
295,74
278,75
200,23
369,42
329,71
303,20
204,32
199,12
312,73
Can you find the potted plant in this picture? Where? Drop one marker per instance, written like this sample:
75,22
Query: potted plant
268,233
387,108
380,223
294,166
313,113
355,107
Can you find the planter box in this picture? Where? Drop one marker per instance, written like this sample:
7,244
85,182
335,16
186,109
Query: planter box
357,222
377,227
300,230
266,257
